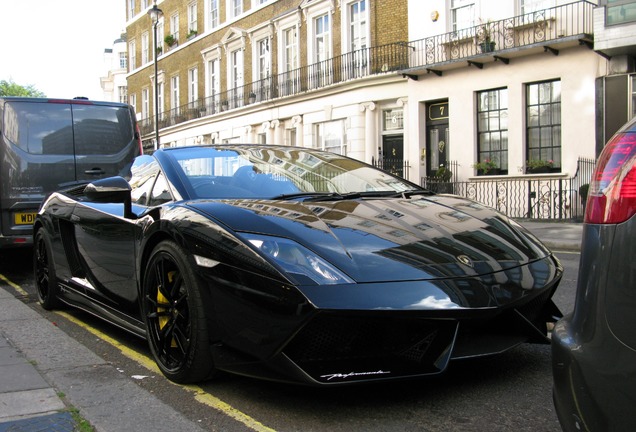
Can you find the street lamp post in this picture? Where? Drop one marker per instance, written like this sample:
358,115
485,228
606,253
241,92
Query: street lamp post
156,13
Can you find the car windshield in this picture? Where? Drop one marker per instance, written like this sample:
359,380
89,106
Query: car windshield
280,173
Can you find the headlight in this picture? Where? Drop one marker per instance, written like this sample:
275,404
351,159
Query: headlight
298,261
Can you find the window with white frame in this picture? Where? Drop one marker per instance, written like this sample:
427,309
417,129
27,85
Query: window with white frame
174,93
122,94
193,85
330,136
543,123
131,9
192,18
213,13
123,60
144,4
145,46
235,76
492,129
213,84
160,33
235,8
160,100
132,53
288,54
132,100
358,37
462,14
528,6
263,68
174,26
320,72
145,103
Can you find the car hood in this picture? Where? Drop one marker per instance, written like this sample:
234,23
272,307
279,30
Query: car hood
381,240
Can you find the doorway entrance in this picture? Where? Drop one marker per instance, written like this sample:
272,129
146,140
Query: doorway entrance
437,137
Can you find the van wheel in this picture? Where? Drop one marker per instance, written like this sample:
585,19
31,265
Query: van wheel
44,271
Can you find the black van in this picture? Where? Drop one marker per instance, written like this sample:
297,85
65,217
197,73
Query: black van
52,144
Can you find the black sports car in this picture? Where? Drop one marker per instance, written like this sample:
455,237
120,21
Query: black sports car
292,264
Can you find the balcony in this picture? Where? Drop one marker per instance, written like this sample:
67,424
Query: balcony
545,30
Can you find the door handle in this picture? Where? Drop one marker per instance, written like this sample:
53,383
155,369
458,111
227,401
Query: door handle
94,171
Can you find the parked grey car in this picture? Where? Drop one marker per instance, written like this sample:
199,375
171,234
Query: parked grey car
594,347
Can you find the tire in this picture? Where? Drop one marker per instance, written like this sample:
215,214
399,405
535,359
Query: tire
44,271
174,314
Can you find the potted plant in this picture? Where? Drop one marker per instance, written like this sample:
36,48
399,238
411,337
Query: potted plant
170,40
159,50
484,34
487,166
539,166
192,33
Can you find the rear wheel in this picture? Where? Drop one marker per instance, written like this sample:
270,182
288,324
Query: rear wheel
44,271
174,315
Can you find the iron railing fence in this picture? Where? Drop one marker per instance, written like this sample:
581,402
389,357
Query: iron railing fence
569,21
531,197
353,65
573,20
395,166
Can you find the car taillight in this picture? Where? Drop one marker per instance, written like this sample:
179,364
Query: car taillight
612,193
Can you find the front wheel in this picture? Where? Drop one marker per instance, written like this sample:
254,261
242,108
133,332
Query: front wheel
44,271
174,314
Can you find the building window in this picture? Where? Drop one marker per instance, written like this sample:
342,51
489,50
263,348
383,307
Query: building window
213,13
330,136
543,108
213,85
160,33
358,39
193,85
492,128
133,102
145,103
131,9
236,78
321,71
132,53
290,76
393,120
462,14
145,45
192,19
144,5
263,69
160,100
620,11
123,61
529,6
122,94
235,8
174,93
174,26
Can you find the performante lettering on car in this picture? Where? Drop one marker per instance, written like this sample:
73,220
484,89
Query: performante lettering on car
329,377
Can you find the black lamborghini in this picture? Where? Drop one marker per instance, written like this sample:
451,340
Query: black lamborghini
292,264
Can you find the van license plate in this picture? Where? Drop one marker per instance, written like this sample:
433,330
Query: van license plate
24,218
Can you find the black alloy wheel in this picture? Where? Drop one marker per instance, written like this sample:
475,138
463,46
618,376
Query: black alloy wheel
44,271
174,316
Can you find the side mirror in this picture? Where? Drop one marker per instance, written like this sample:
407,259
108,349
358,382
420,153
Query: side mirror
110,190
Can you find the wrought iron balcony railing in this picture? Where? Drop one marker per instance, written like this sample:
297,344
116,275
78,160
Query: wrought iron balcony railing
572,21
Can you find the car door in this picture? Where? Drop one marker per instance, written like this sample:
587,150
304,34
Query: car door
106,244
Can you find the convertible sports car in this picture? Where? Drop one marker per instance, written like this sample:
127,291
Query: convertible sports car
294,265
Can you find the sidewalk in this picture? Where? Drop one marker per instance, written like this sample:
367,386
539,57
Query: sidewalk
45,374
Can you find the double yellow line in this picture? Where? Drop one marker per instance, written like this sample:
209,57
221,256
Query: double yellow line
200,395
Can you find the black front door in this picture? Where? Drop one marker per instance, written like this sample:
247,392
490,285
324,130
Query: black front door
393,154
437,137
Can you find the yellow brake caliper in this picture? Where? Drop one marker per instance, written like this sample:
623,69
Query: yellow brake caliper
161,299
